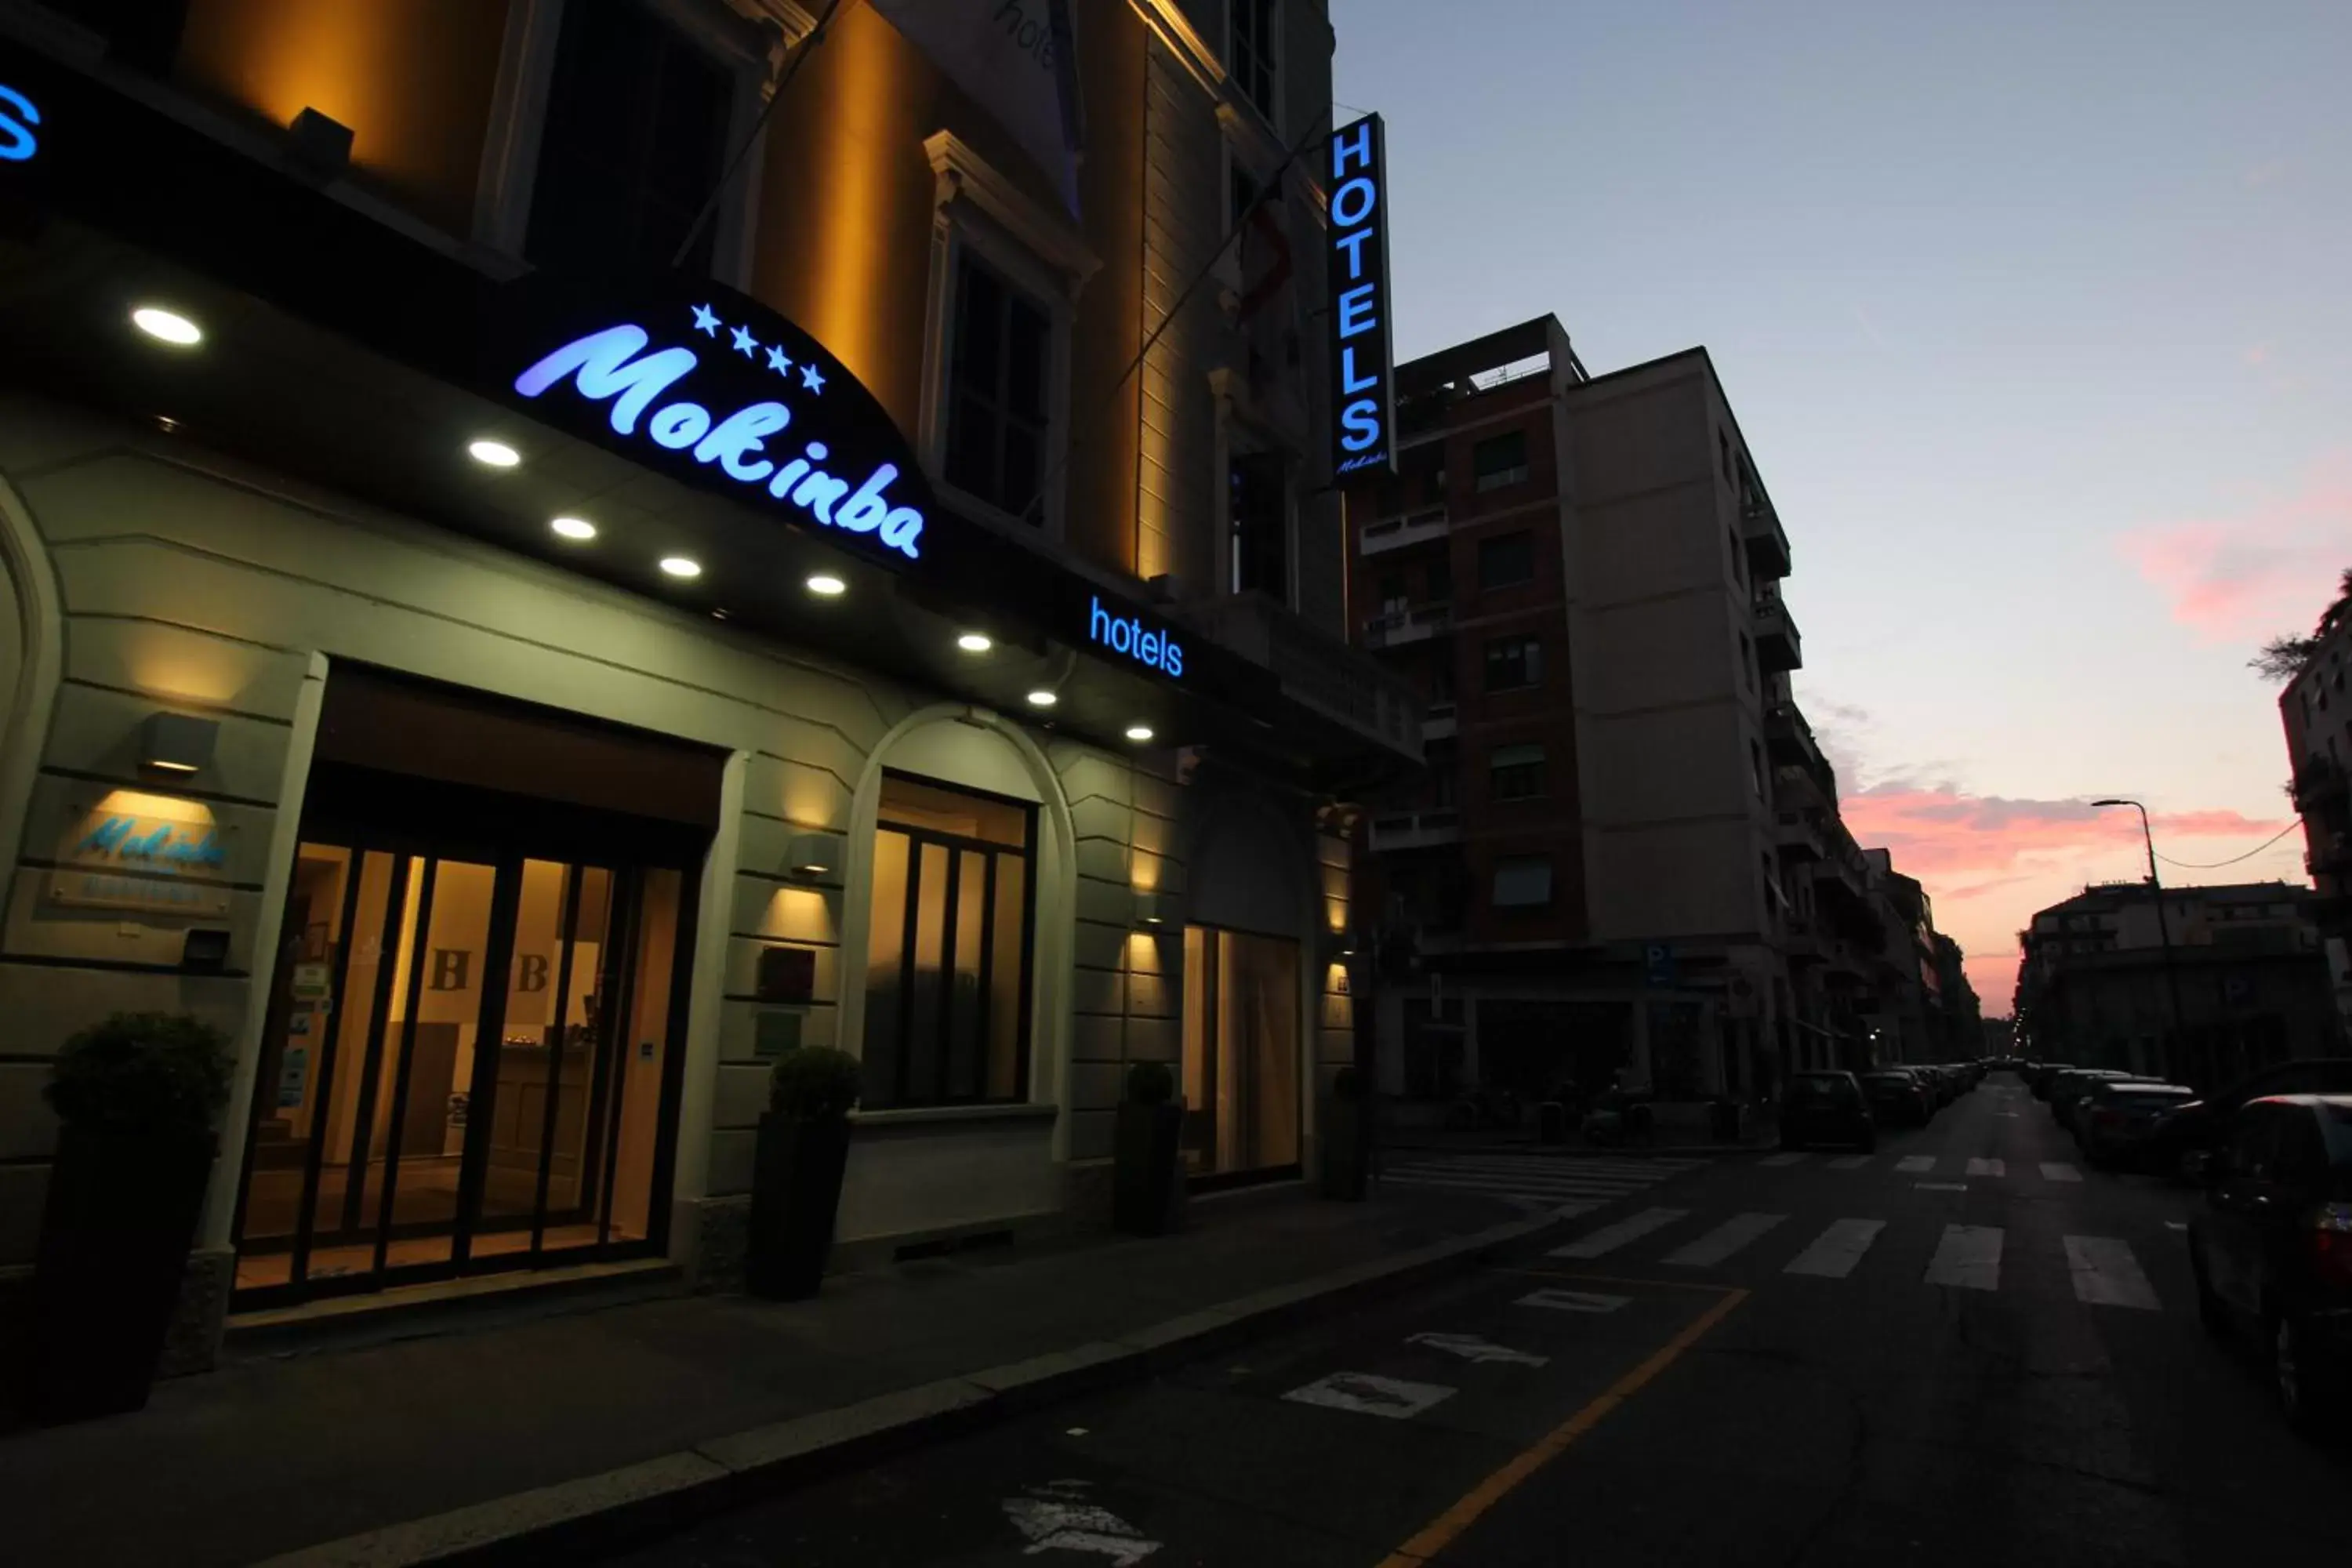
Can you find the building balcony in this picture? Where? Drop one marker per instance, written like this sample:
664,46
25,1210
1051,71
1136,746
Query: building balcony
1778,647
1438,722
1799,836
1395,629
1767,544
1404,531
2319,783
1317,670
1429,829
1790,740
1801,941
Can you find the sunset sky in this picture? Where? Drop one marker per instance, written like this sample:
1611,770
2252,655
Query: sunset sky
2039,322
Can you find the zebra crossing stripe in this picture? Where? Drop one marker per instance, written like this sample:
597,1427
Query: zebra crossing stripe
1834,1252
1504,1184
1782,1159
2107,1274
1610,1237
1969,1257
1987,1168
1723,1240
2059,1171
1849,1162
1916,1165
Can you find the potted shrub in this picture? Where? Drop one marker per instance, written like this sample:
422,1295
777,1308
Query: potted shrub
136,1096
1146,1176
1346,1143
796,1170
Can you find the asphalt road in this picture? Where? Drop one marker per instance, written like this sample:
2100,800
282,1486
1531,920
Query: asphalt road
1966,1349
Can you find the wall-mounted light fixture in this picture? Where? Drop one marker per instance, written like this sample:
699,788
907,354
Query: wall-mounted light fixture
1154,909
816,855
177,743
1338,946
322,144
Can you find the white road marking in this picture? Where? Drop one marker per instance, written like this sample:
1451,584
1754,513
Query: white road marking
1610,1237
1941,1187
1987,1168
2059,1171
1365,1394
1057,1517
1967,1256
1834,1252
2107,1274
1573,1301
1849,1163
1789,1159
1723,1240
1471,1348
1912,1164
2176,1225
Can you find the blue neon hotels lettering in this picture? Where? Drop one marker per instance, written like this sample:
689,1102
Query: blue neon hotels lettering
17,118
612,364
1361,280
1126,635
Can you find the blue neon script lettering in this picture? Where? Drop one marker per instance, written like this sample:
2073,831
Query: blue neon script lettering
1354,204
162,843
612,364
17,118
1128,635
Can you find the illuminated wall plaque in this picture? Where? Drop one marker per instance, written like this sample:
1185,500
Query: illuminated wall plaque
1363,390
713,388
143,854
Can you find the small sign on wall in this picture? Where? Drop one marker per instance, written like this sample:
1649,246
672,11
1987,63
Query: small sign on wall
775,1031
787,974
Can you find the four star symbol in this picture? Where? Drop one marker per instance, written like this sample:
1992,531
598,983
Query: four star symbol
707,322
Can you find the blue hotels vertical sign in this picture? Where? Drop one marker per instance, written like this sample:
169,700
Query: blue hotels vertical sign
1363,384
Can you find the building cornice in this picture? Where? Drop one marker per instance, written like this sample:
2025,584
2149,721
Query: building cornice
1169,24
961,172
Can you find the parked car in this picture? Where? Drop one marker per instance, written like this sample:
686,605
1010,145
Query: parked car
1897,1099
2039,1076
2115,1120
2068,1091
2196,1125
1825,1108
2272,1247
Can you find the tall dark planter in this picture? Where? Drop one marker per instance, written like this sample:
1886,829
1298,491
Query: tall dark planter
1146,1164
1345,1150
121,1216
795,1194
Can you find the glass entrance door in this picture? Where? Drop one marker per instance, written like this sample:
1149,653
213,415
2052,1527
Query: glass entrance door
465,1065
1241,1053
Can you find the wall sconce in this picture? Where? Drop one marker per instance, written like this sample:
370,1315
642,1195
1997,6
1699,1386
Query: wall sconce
321,144
1338,946
1154,909
177,743
816,855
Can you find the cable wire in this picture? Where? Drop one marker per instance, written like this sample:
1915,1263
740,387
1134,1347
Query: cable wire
2217,865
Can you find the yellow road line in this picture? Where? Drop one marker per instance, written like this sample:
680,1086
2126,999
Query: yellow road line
1440,1532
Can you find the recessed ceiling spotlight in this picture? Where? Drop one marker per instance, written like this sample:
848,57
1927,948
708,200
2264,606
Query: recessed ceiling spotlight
167,326
574,527
1139,732
681,566
974,642
494,454
827,585
1041,698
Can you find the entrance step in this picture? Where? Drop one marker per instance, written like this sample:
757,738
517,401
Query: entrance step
411,1311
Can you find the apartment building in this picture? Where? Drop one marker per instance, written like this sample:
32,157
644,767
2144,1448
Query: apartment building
2232,979
1605,869
425,653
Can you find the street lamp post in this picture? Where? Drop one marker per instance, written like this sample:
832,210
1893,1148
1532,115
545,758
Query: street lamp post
2163,930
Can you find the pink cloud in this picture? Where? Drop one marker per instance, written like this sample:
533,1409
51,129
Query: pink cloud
1988,862
2269,569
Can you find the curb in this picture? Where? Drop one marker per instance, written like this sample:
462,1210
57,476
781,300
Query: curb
641,1503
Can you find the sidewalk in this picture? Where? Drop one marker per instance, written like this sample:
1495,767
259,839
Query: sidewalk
275,1453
